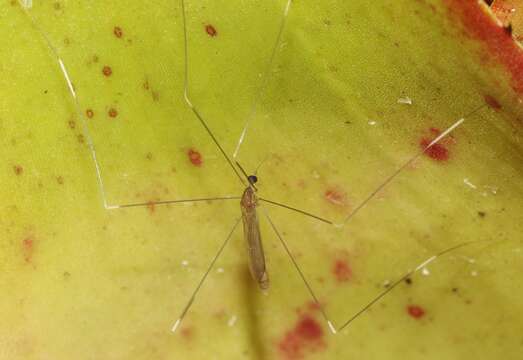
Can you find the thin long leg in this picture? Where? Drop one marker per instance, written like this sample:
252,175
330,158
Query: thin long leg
300,272
242,169
296,210
166,202
387,181
87,133
195,292
190,104
408,274
77,107
265,81
245,174
380,295
409,162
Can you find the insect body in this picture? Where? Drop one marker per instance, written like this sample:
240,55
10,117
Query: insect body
251,232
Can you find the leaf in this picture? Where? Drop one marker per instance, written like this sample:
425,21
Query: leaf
354,91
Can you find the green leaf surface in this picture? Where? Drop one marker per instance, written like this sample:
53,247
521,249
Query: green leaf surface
338,97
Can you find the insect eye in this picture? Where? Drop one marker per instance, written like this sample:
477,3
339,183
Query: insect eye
253,179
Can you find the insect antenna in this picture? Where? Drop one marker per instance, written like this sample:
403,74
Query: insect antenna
259,166
204,277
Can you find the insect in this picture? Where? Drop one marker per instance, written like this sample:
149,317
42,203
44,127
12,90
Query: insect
250,201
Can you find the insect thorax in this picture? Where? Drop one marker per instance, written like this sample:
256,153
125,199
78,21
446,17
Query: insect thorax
249,199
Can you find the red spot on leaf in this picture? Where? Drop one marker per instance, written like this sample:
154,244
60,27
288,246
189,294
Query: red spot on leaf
313,306
118,32
89,113
301,184
336,196
113,112
28,248
309,308
492,102
308,329
437,151
415,311
435,131
306,336
18,169
151,205
480,25
107,71
195,157
211,30
187,333
341,270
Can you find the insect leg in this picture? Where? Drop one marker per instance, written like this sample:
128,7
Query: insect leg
265,81
74,96
296,210
190,104
166,202
88,136
300,272
392,176
408,274
387,181
195,292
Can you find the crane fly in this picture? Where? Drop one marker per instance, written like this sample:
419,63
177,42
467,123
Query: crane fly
249,201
